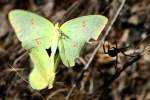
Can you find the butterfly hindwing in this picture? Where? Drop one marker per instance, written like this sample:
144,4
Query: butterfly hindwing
43,73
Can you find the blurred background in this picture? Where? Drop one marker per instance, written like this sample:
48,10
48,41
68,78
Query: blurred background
132,26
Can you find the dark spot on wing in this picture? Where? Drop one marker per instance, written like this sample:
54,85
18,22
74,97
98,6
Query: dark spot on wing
75,44
32,21
37,41
83,24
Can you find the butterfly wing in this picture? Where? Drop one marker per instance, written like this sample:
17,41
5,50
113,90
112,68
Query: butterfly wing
37,34
78,31
43,73
32,29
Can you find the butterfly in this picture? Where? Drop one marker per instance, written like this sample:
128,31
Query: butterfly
38,34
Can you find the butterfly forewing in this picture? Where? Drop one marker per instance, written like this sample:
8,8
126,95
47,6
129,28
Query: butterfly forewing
31,29
79,31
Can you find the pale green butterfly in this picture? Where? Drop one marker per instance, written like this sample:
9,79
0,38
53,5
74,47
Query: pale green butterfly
37,34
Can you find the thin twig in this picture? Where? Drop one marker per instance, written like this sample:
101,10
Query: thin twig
72,9
96,49
19,58
55,93
14,69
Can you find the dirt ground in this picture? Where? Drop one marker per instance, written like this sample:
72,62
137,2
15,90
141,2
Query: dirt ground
101,81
